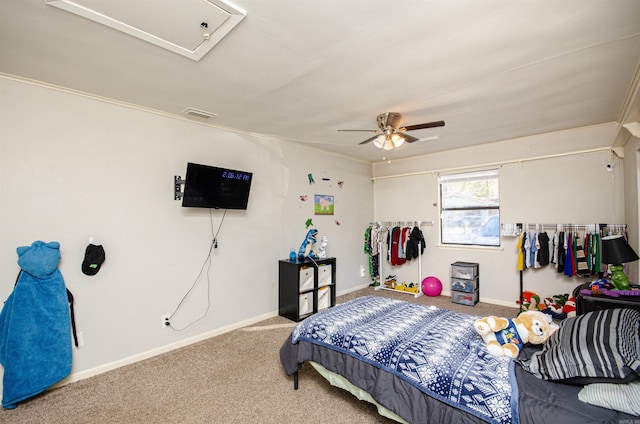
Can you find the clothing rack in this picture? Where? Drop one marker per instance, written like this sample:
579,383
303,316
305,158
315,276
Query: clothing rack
400,224
519,227
560,227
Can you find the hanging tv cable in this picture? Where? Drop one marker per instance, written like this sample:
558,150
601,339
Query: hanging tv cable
207,263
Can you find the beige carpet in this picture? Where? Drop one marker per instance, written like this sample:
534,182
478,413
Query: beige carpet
232,378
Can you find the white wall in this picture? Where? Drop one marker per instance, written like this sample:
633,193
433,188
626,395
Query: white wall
575,188
74,167
631,200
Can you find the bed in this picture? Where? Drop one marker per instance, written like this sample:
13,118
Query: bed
424,364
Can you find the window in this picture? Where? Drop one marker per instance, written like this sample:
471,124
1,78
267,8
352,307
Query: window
470,208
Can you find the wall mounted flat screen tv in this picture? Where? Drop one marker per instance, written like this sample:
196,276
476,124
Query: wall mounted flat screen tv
212,187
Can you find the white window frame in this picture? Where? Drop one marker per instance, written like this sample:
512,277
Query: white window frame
475,217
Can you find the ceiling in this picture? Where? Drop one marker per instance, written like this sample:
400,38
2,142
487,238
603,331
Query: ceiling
300,70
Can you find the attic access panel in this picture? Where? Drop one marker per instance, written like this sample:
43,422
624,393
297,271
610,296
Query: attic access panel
188,27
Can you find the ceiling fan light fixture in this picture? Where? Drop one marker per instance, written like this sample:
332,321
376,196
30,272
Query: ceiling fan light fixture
392,135
388,141
388,144
397,140
379,141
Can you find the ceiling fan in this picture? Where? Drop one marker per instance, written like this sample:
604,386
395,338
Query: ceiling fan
390,135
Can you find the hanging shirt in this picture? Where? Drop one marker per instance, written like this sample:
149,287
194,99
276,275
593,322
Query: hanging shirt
581,261
597,266
395,239
415,238
367,240
520,246
554,248
562,252
543,250
534,250
569,266
375,238
400,259
527,250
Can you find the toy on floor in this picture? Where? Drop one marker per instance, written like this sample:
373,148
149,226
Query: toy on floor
530,302
555,306
569,308
401,287
431,286
390,281
412,288
552,307
506,337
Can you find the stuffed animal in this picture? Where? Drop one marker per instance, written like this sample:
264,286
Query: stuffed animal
555,306
552,306
530,301
569,307
505,337
307,244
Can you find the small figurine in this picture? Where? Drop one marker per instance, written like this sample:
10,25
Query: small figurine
322,251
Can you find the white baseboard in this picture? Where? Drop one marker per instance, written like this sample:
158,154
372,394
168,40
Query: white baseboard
351,290
444,293
77,376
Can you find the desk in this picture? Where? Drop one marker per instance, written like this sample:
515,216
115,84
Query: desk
595,302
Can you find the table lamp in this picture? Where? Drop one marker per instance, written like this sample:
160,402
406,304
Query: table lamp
615,252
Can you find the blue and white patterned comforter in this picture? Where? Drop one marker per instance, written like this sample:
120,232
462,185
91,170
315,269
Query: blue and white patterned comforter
436,350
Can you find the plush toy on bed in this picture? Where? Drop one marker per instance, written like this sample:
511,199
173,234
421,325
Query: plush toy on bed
505,337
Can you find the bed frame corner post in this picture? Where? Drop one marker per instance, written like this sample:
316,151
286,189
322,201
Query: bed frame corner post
295,380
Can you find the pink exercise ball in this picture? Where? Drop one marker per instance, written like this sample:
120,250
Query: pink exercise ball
431,286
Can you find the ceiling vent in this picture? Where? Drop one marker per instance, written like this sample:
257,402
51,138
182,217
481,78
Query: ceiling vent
199,113
187,27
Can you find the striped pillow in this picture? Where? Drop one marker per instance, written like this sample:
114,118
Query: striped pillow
599,346
619,397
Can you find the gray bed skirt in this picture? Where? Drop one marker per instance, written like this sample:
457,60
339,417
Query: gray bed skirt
539,401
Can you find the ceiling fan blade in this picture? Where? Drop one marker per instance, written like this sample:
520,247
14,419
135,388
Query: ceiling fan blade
408,138
359,130
422,126
369,139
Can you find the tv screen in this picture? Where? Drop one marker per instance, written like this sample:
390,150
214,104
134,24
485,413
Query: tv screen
219,188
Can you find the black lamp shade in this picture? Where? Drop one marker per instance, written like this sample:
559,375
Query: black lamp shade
616,250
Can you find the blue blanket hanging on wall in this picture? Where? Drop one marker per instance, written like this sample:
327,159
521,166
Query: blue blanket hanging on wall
35,338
